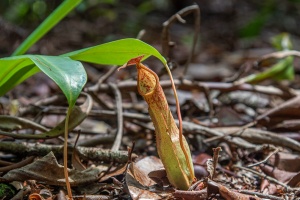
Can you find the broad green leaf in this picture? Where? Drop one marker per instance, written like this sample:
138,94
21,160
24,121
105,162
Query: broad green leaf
13,72
68,74
56,16
116,53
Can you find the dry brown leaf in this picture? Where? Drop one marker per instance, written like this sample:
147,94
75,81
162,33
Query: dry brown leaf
214,188
47,170
280,175
285,161
295,181
140,186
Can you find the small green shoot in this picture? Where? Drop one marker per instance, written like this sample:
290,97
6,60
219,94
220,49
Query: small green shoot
282,70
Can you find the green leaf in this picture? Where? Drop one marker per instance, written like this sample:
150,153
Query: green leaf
56,16
68,74
282,42
116,53
14,71
283,70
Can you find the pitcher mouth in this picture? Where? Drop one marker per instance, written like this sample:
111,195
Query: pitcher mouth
147,80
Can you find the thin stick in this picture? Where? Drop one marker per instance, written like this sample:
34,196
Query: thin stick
267,196
215,160
223,87
288,188
86,153
265,160
243,128
17,165
119,111
195,39
186,155
66,154
178,16
102,79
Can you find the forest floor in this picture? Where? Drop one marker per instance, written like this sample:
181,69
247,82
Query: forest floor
113,153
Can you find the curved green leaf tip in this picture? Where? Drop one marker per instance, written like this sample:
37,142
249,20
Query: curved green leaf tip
68,74
116,53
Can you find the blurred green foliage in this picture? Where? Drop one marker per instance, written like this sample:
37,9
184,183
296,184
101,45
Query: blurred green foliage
25,11
267,15
127,16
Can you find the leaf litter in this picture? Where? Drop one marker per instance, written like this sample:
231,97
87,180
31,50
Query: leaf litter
256,126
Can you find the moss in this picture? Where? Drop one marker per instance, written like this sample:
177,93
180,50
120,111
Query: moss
7,191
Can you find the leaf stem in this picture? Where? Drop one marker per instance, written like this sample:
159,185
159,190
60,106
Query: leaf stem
66,153
180,122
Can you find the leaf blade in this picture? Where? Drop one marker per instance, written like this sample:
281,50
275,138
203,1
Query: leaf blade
115,53
68,74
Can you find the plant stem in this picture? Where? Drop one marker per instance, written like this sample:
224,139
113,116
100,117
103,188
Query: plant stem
66,153
180,122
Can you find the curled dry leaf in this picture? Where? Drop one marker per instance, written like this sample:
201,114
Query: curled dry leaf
179,167
139,183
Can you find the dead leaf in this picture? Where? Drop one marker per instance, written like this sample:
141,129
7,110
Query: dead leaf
280,175
140,186
285,161
214,188
47,170
287,110
295,181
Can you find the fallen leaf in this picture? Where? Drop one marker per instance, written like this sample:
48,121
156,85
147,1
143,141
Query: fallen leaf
285,161
47,170
140,186
280,175
214,188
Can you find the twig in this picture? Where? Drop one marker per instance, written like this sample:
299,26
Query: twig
262,137
215,161
242,129
98,139
119,109
102,79
288,188
196,128
191,195
5,163
178,16
278,55
106,114
98,100
17,165
22,193
267,196
96,154
264,160
189,85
